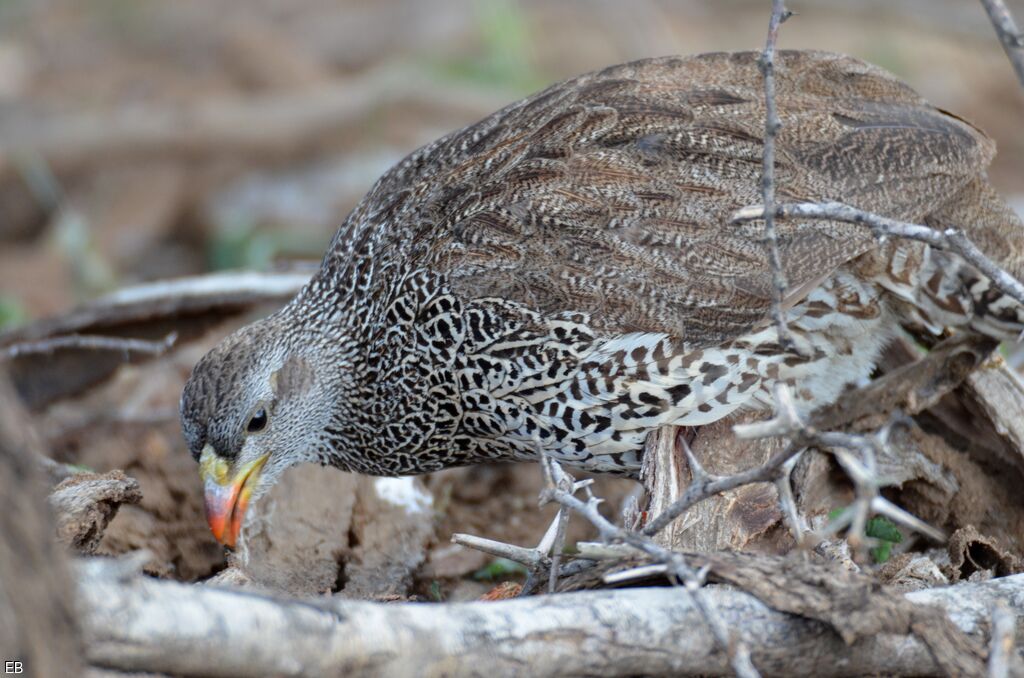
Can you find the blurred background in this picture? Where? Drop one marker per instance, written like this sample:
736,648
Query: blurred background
143,139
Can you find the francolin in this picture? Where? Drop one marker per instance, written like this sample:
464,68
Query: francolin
563,277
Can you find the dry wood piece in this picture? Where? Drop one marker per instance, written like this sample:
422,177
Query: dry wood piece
972,554
1000,655
85,503
167,298
139,624
913,387
997,392
89,342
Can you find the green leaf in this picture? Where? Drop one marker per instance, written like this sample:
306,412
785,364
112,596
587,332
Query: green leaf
435,592
881,527
505,54
499,568
835,513
881,553
11,313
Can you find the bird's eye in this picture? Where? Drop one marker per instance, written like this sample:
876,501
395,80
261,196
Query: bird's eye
258,421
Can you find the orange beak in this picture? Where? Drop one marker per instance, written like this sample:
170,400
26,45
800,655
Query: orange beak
227,493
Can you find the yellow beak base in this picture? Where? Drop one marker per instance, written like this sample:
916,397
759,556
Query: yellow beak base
227,494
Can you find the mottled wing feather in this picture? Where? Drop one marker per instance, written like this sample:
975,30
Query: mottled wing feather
611,193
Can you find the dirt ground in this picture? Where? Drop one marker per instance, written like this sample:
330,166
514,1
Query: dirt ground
148,140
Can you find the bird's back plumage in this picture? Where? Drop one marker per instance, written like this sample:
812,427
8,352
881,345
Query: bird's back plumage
611,193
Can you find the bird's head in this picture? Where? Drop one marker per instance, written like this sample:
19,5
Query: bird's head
249,411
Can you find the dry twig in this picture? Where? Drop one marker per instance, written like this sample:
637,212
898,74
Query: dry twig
546,555
1009,35
565,482
531,558
91,342
771,128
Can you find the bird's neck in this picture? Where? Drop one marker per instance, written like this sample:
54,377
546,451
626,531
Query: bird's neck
389,341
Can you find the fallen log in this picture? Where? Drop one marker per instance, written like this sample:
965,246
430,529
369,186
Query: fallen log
133,623
85,503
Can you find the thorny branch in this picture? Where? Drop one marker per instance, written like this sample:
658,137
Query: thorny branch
862,471
787,423
531,558
1009,35
545,556
564,482
771,128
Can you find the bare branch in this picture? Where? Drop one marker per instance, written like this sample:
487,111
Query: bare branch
90,342
528,557
1009,35
561,521
635,573
547,554
884,507
784,488
951,239
771,128
786,421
